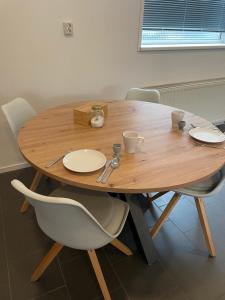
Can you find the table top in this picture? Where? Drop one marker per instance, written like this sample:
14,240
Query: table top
169,159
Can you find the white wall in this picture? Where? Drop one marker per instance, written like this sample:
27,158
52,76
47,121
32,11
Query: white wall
38,63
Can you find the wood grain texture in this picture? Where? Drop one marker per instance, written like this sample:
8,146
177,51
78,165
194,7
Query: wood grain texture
162,219
122,247
45,262
169,159
98,272
205,225
33,187
150,198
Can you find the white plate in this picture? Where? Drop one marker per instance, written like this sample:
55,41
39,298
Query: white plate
207,135
84,160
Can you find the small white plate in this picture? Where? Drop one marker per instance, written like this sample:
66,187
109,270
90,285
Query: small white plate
207,135
84,160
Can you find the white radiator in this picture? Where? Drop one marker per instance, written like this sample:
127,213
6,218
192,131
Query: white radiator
204,98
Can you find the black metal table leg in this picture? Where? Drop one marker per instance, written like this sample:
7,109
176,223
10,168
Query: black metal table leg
141,227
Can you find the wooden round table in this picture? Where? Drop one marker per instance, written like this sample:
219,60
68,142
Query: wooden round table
169,159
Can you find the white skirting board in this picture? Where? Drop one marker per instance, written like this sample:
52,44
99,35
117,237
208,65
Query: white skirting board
14,167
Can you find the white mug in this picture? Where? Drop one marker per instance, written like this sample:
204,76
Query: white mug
132,141
176,116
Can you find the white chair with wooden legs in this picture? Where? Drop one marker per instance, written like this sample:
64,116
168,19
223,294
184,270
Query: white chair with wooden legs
206,188
17,113
80,219
147,95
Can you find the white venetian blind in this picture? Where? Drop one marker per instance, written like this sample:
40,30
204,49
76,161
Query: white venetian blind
184,20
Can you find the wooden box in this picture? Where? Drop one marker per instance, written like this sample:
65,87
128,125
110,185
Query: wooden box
82,114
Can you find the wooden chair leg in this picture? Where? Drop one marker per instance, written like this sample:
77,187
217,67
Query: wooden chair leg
34,185
45,262
205,225
149,196
99,275
156,196
122,247
165,214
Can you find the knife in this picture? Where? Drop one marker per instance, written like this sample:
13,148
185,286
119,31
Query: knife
107,165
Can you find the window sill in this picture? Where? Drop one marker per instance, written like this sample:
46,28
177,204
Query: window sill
181,47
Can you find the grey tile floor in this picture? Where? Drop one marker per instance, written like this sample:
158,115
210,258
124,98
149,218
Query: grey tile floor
184,270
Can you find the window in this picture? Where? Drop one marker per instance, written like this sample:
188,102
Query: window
172,24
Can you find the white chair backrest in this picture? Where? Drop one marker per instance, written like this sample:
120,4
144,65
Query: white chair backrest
206,188
66,221
148,95
220,184
18,112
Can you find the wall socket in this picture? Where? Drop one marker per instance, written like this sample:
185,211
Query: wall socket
68,28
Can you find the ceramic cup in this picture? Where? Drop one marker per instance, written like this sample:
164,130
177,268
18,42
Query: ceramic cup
176,117
132,141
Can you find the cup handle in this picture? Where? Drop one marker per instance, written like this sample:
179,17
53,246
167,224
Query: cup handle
141,139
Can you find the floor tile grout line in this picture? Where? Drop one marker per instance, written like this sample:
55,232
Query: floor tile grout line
174,278
114,271
63,276
7,258
96,298
108,257
5,247
164,266
189,242
69,260
117,260
183,232
112,265
171,220
47,293
190,229
161,261
186,236
113,291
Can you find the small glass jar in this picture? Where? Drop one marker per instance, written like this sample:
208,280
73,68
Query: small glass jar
97,119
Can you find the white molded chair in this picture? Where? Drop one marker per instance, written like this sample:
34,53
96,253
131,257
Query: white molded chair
18,112
79,219
148,95
206,188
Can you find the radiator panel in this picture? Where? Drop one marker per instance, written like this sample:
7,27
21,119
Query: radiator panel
204,98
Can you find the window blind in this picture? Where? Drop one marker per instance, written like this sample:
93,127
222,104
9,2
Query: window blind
184,15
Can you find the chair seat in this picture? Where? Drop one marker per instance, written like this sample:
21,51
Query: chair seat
205,187
109,212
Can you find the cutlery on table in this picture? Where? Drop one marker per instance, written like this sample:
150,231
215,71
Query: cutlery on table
209,127
56,160
113,165
116,156
101,176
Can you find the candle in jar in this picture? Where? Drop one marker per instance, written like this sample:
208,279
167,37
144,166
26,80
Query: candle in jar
97,119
